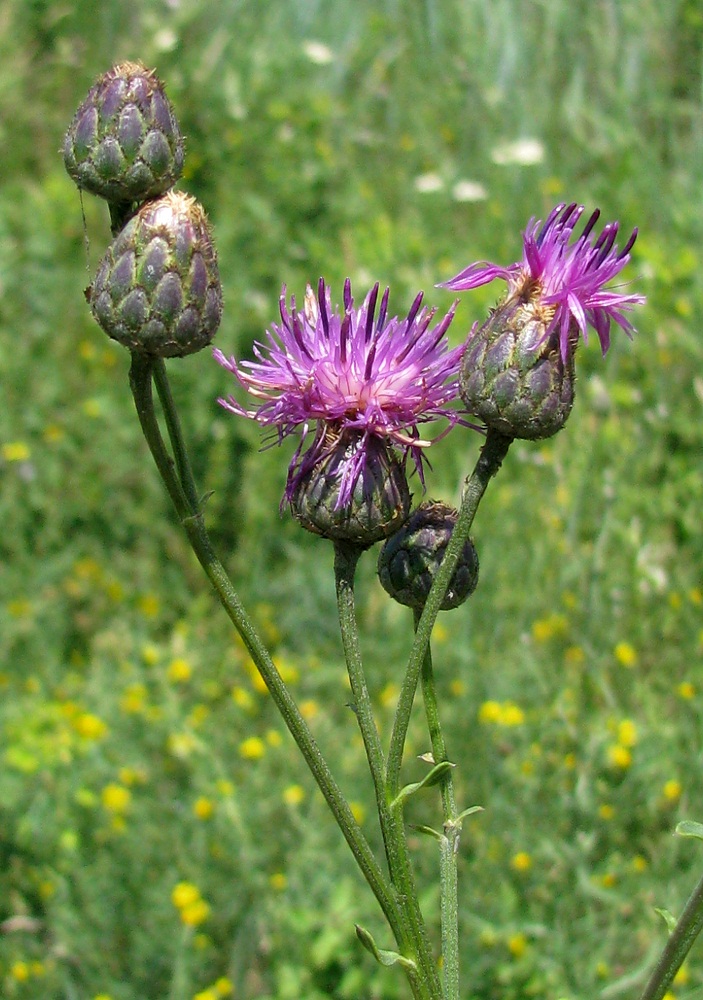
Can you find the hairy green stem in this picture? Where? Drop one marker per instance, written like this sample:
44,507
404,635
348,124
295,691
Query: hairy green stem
346,557
687,929
449,842
140,382
415,944
489,461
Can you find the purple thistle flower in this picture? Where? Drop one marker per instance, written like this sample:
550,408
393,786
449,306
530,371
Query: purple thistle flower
567,280
352,378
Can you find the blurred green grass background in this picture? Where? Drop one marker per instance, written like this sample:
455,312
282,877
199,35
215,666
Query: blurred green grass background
158,837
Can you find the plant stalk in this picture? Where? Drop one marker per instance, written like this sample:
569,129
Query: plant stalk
140,383
489,461
687,929
415,943
449,842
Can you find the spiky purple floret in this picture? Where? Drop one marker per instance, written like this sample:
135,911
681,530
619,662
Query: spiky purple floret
351,375
568,278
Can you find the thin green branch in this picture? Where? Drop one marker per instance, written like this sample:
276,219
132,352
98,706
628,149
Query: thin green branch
140,382
492,454
687,929
416,943
449,842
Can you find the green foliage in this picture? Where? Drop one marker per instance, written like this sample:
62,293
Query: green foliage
137,750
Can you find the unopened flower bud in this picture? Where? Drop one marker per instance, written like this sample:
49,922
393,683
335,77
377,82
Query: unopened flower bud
513,374
158,289
409,560
124,143
379,502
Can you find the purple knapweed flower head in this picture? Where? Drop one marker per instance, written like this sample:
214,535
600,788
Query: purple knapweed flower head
359,382
518,369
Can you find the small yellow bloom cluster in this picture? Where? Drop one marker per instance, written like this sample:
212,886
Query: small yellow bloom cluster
517,945
619,753
21,971
89,726
625,654
116,798
203,808
252,748
223,987
672,790
505,713
293,795
15,451
551,627
179,671
192,907
521,862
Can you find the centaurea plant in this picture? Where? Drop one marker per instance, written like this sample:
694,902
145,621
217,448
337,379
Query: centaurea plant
355,385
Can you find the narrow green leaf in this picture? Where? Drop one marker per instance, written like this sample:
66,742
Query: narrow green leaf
689,828
431,778
468,812
668,918
428,831
386,958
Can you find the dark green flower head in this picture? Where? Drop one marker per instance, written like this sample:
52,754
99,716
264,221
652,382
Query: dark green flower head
157,290
379,501
124,143
409,560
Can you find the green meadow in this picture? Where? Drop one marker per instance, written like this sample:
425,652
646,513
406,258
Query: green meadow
159,837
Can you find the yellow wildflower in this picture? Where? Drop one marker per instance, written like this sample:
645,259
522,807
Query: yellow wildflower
203,807
149,605
20,971
116,798
627,733
358,812
521,862
606,811
15,451
252,748
223,986
388,695
512,715
89,726
242,698
682,976
179,671
278,881
184,894
672,790
293,795
517,945
619,756
196,913
309,709
625,654
490,711
686,690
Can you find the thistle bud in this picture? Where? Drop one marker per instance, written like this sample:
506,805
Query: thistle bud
518,368
409,560
124,143
379,502
158,289
514,376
